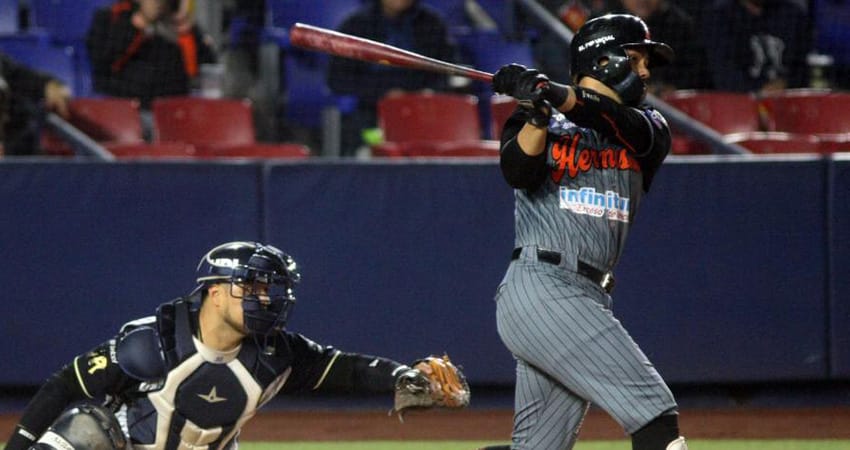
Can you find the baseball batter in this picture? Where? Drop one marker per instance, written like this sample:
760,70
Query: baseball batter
193,374
580,158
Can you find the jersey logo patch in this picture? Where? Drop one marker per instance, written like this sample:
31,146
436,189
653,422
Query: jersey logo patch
212,397
587,201
572,161
97,363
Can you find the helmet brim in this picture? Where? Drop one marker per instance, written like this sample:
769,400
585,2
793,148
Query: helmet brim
660,54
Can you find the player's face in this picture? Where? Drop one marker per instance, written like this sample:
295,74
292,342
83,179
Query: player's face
639,59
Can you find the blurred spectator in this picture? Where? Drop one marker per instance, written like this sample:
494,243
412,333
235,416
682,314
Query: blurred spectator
147,48
671,24
757,45
406,24
28,92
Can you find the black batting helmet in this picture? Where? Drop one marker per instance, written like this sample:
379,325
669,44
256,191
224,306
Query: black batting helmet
598,51
249,264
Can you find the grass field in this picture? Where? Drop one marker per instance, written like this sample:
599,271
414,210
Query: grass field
591,445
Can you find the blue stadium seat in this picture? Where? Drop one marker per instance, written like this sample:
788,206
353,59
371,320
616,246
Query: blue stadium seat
487,51
36,51
66,21
9,17
320,13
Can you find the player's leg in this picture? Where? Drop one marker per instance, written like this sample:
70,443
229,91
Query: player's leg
571,334
662,433
546,415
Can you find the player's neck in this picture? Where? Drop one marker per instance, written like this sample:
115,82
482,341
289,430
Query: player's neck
215,332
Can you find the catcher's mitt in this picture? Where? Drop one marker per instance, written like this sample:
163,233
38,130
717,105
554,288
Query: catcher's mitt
433,382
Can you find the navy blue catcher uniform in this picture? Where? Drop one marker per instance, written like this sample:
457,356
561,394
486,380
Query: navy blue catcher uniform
169,390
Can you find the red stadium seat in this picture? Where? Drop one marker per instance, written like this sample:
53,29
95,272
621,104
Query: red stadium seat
203,121
820,112
217,128
725,112
766,142
438,149
158,150
429,116
289,151
107,119
501,108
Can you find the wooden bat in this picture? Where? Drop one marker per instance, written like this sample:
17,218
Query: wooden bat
348,46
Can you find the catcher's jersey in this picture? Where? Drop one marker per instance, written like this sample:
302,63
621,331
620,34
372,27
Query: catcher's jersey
174,392
591,193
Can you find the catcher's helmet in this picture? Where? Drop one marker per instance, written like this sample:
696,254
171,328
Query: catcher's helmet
598,51
84,427
262,270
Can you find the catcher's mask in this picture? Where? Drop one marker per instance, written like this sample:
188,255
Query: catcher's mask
265,275
598,51
84,427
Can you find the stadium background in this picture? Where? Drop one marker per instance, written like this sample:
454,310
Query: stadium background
734,280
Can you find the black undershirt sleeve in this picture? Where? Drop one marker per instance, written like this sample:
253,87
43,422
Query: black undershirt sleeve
520,170
56,394
317,367
627,125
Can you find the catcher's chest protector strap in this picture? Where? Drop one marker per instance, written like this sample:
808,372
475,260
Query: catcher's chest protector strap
175,330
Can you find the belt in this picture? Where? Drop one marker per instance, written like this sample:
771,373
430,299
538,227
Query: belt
604,279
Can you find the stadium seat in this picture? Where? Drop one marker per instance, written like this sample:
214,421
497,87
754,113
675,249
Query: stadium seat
725,112
767,142
820,112
429,116
320,13
215,127
36,51
9,17
124,150
66,21
438,149
501,108
264,151
203,121
107,119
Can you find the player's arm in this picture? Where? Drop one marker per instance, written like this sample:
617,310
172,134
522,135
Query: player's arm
88,376
317,367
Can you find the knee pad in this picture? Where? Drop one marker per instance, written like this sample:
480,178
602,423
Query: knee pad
84,427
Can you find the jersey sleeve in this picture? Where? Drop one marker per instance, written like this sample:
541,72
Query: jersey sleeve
90,375
317,367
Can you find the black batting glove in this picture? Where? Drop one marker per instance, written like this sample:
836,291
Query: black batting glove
505,79
537,112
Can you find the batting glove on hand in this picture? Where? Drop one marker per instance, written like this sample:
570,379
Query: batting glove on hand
505,79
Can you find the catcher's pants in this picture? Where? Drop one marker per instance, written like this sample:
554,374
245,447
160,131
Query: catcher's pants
570,351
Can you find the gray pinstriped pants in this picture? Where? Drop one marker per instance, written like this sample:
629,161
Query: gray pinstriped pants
570,351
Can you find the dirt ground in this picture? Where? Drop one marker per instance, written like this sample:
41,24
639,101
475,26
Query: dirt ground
749,423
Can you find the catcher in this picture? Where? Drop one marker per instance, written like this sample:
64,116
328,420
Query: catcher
191,375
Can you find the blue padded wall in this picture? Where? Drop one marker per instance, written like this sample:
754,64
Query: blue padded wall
90,246
723,278
839,244
399,260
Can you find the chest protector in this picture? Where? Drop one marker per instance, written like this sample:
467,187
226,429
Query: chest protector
200,397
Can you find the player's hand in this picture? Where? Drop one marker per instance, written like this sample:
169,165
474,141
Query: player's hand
530,86
56,97
505,79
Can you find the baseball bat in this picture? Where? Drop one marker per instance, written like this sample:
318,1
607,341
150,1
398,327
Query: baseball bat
348,46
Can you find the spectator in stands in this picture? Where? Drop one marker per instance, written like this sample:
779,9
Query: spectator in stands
671,24
757,45
147,48
406,24
30,92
